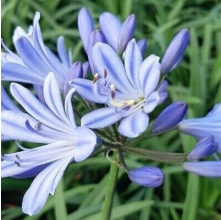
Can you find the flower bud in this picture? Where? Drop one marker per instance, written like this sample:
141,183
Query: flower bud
85,26
95,37
175,51
204,168
170,117
126,33
147,176
203,148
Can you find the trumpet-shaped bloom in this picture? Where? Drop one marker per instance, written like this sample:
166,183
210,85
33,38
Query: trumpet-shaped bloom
205,126
130,89
147,176
34,60
51,124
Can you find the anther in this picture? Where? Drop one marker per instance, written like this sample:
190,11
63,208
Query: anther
38,126
95,78
17,163
105,73
17,156
112,87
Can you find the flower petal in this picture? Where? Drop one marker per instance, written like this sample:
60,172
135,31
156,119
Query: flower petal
149,74
85,143
151,102
134,124
7,103
101,118
43,184
105,58
84,88
63,53
69,108
126,33
110,27
13,125
18,73
204,168
53,97
31,57
37,109
85,26
133,60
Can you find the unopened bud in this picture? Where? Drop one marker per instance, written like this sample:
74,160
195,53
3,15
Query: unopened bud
205,147
170,117
147,176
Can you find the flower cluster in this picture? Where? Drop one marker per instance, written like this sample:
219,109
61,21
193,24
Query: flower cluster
125,88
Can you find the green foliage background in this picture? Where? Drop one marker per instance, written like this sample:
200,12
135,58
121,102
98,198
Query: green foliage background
197,81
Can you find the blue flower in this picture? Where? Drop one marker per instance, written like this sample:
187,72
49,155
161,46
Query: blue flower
129,89
205,147
34,60
204,168
115,33
147,176
170,117
51,124
205,126
175,51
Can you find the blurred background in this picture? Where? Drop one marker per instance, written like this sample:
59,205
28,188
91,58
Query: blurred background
197,81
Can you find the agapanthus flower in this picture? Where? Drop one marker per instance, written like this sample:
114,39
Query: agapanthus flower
205,126
116,34
51,124
35,60
131,90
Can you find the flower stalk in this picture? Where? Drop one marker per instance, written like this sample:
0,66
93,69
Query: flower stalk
109,196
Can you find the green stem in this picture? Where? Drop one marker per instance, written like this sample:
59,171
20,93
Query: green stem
108,202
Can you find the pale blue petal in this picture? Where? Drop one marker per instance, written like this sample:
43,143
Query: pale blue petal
149,74
7,103
39,92
85,143
95,37
110,27
86,69
13,125
37,109
85,26
52,97
69,108
204,168
105,58
43,184
63,52
134,124
75,71
31,57
142,44
101,118
126,33
152,102
84,88
133,60
18,73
